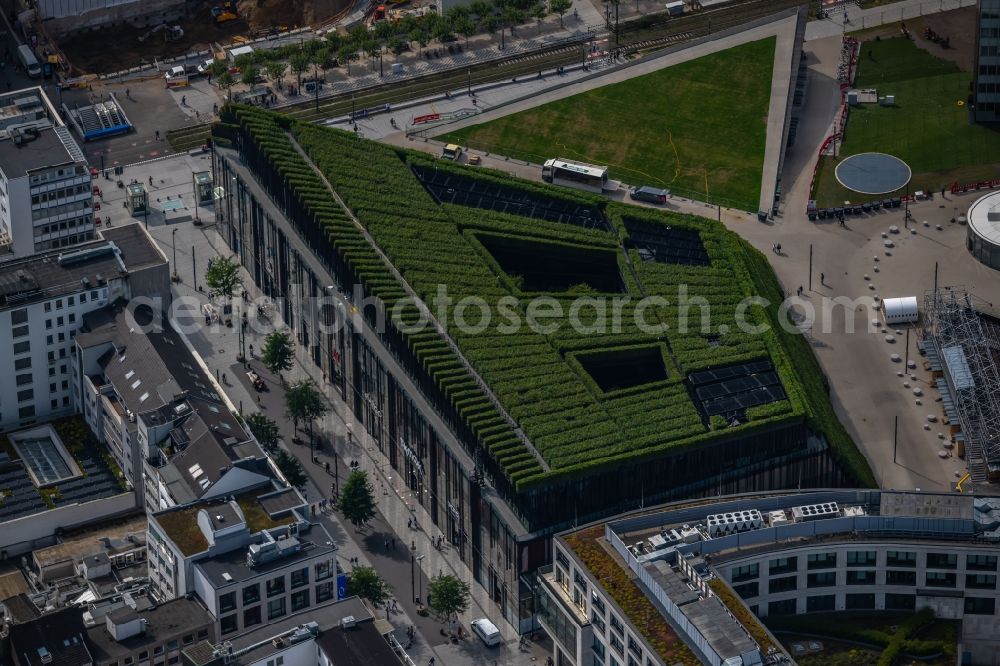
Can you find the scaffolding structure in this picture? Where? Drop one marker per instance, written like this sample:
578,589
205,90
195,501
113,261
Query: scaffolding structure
968,346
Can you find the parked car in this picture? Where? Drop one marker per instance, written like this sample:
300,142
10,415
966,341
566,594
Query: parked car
487,632
649,194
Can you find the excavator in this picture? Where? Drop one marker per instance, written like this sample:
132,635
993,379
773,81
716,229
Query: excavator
225,12
172,34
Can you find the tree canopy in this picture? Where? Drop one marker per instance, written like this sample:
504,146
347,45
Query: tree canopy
357,499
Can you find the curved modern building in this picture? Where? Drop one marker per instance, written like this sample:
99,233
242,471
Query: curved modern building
984,230
709,569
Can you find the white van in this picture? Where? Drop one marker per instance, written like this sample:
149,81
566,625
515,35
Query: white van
30,62
487,632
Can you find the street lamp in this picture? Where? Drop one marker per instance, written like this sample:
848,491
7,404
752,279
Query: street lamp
413,576
173,246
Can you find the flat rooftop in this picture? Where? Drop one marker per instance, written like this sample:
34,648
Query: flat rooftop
178,616
53,146
78,545
85,266
316,543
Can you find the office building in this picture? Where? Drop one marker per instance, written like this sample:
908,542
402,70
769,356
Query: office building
986,82
46,197
709,569
43,300
150,635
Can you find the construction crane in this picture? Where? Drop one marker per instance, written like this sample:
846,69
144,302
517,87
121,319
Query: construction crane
172,34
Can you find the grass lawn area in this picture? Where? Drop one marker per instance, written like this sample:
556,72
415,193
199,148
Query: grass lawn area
697,128
927,128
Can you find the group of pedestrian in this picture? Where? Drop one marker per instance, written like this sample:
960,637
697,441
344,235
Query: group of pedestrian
390,543
353,561
411,523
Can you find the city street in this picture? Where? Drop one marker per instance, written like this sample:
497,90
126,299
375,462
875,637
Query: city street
218,347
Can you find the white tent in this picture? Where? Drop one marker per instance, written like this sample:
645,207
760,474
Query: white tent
900,310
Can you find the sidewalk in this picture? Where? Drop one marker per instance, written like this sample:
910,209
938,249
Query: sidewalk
218,347
861,19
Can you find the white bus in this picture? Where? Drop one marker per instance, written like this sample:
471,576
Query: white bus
29,61
575,174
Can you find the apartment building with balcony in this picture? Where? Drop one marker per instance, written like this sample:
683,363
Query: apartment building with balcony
46,195
688,581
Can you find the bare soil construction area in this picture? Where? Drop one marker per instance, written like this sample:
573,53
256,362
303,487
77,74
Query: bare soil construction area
88,53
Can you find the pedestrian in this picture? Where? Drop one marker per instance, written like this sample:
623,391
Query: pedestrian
184,101
128,94
327,467
822,278
150,181
798,292
157,135
392,541
431,662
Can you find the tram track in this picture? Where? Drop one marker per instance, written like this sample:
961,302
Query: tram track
640,35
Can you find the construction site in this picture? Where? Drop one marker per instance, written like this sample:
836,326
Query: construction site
142,37
962,345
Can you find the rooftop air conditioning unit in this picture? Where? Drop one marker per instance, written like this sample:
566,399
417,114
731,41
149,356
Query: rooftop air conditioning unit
348,622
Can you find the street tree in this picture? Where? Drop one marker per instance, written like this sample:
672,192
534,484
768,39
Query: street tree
291,468
357,499
560,7
334,40
447,596
466,27
249,75
226,82
299,63
278,353
304,402
265,430
275,72
367,584
344,57
539,12
218,67
223,276
420,36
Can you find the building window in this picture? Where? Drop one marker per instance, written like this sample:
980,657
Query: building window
48,307
22,347
634,647
202,634
825,602
228,624
617,645
901,578
822,561
860,601
22,363
748,590
26,412
900,601
824,579
19,331
861,558
786,607
251,616
300,577
942,560
276,586
300,600
275,608
940,579
981,581
25,395
598,620
861,577
251,594
561,558
746,572
597,602
227,602
21,380
981,562
324,592
187,640
980,605
783,565
323,571
616,624
900,558
598,648
19,317
786,584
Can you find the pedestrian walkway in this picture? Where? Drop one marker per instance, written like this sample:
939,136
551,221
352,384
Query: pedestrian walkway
849,17
401,522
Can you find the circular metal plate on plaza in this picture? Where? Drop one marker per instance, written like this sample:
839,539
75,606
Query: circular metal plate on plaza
873,173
